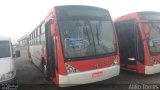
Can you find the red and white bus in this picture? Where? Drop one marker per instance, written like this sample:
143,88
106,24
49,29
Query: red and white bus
139,41
75,45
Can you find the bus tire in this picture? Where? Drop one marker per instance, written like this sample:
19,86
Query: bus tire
44,70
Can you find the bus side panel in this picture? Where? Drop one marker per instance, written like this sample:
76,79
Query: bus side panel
35,52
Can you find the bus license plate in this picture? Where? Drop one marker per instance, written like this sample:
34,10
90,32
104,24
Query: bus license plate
97,74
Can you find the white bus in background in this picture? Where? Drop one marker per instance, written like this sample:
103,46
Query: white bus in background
7,62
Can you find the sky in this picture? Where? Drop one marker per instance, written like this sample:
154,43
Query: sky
19,17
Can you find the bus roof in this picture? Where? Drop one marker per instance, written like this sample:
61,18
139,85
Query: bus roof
148,12
71,6
125,17
134,15
2,38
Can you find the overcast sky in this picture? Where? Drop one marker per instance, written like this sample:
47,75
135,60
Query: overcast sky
18,17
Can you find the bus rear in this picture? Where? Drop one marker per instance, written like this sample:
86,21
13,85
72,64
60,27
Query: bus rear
87,49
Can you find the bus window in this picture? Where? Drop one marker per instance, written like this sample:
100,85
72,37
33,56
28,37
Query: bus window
43,28
43,33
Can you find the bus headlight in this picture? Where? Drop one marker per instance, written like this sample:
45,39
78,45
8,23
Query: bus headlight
7,76
155,61
115,62
71,69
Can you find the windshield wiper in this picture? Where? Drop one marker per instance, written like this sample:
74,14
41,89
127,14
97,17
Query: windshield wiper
97,34
87,34
156,26
158,29
90,26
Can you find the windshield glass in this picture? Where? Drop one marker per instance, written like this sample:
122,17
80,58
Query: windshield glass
4,49
86,38
154,39
149,15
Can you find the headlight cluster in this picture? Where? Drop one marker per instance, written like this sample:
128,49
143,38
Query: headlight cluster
115,61
71,69
155,61
7,76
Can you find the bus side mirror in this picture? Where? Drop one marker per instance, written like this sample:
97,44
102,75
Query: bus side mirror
17,54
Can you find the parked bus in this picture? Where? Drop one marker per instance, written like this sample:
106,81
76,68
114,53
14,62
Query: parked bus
7,63
75,45
139,41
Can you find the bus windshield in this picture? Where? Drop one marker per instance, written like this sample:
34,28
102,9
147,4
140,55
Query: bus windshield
85,32
86,35
4,49
154,39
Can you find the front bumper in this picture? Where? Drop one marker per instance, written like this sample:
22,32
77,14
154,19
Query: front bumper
86,77
152,69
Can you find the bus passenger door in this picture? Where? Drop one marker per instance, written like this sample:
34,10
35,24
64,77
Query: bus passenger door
126,38
50,46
